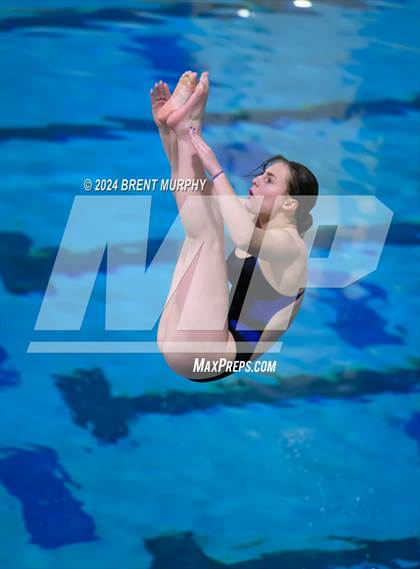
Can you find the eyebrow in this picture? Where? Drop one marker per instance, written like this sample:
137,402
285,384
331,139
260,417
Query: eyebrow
270,174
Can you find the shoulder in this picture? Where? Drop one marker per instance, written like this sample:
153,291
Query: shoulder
276,244
286,241
296,241
287,272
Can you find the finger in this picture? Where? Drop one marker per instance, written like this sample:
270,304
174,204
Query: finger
200,140
197,132
195,142
152,96
199,145
193,136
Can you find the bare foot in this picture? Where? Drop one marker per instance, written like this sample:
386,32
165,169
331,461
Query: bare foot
182,93
159,96
191,113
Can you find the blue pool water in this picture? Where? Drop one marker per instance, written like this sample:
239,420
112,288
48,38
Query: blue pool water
111,460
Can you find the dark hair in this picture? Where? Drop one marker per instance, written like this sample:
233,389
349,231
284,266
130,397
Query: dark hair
303,186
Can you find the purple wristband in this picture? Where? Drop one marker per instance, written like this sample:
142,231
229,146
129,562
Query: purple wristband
218,174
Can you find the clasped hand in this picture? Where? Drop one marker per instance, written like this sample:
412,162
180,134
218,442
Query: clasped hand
205,153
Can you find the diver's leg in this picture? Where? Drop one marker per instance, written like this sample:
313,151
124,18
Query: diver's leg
195,314
196,213
163,103
159,95
194,321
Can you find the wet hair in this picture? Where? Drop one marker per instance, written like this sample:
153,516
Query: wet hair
303,186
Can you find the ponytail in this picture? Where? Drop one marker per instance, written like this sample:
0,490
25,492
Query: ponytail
304,222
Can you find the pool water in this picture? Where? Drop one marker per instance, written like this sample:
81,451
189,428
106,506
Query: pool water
112,460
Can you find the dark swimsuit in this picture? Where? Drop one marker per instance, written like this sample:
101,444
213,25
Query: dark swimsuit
254,310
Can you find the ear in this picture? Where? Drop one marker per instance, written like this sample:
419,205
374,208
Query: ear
290,205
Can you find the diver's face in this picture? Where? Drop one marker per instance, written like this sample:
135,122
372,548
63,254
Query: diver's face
272,187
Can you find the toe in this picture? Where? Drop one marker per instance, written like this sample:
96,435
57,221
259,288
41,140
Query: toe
204,78
193,79
184,78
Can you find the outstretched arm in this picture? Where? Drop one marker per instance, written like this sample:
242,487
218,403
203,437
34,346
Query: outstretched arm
268,244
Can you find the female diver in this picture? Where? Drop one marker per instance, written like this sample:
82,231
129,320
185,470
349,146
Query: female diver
200,318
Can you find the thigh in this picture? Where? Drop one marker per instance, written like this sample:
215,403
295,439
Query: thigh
194,321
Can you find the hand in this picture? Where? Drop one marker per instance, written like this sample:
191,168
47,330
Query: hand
205,153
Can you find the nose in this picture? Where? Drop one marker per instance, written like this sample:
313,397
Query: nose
255,180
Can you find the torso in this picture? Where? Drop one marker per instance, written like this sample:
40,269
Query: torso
276,284
285,278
